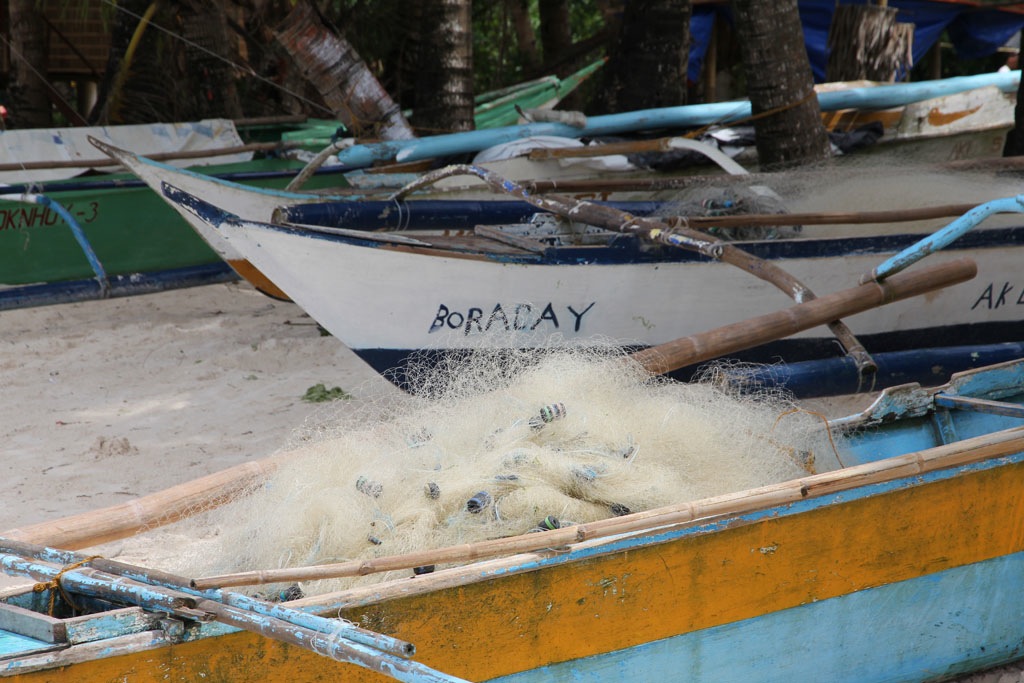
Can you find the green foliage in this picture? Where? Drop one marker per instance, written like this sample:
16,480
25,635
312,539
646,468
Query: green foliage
319,393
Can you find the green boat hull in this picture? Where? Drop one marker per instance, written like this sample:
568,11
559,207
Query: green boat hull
130,229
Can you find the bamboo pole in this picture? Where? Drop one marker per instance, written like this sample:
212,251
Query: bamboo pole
254,121
916,463
684,515
604,185
669,144
19,550
159,156
778,324
627,147
154,510
829,217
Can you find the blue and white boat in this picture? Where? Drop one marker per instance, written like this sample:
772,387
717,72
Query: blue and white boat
398,299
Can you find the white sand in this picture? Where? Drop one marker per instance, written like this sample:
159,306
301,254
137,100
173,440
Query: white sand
109,400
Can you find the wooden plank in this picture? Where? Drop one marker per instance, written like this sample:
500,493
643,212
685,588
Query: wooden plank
117,622
32,624
526,243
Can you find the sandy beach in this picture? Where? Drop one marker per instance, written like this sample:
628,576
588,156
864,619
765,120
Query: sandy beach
109,400
106,401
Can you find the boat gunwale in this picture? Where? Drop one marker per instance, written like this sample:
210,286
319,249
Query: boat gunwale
630,249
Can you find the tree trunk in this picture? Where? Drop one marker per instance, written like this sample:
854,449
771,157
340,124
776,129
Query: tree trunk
647,62
29,90
865,42
787,116
444,89
526,39
555,32
1014,145
343,79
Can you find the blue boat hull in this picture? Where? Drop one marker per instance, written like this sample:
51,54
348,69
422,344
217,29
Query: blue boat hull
826,374
932,623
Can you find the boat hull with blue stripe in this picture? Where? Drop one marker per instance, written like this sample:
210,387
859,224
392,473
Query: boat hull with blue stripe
401,299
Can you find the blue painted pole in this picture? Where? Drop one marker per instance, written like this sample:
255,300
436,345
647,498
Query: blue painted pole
687,116
76,230
305,618
326,642
946,235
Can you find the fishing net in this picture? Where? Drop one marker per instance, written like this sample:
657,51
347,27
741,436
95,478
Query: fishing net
883,181
494,445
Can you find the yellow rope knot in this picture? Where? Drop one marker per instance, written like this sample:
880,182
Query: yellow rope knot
54,585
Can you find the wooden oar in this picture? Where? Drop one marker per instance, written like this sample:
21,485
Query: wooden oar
778,324
159,156
126,519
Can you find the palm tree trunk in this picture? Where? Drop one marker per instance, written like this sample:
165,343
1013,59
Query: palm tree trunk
444,89
647,63
342,78
208,59
526,39
555,31
787,116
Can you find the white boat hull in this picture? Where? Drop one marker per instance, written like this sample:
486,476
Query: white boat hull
393,301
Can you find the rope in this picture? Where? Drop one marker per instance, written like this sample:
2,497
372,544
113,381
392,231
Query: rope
824,419
54,585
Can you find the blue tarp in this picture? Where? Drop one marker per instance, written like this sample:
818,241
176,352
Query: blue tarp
974,31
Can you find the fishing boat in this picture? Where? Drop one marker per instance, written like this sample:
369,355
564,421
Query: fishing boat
960,126
401,300
971,124
902,564
259,203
